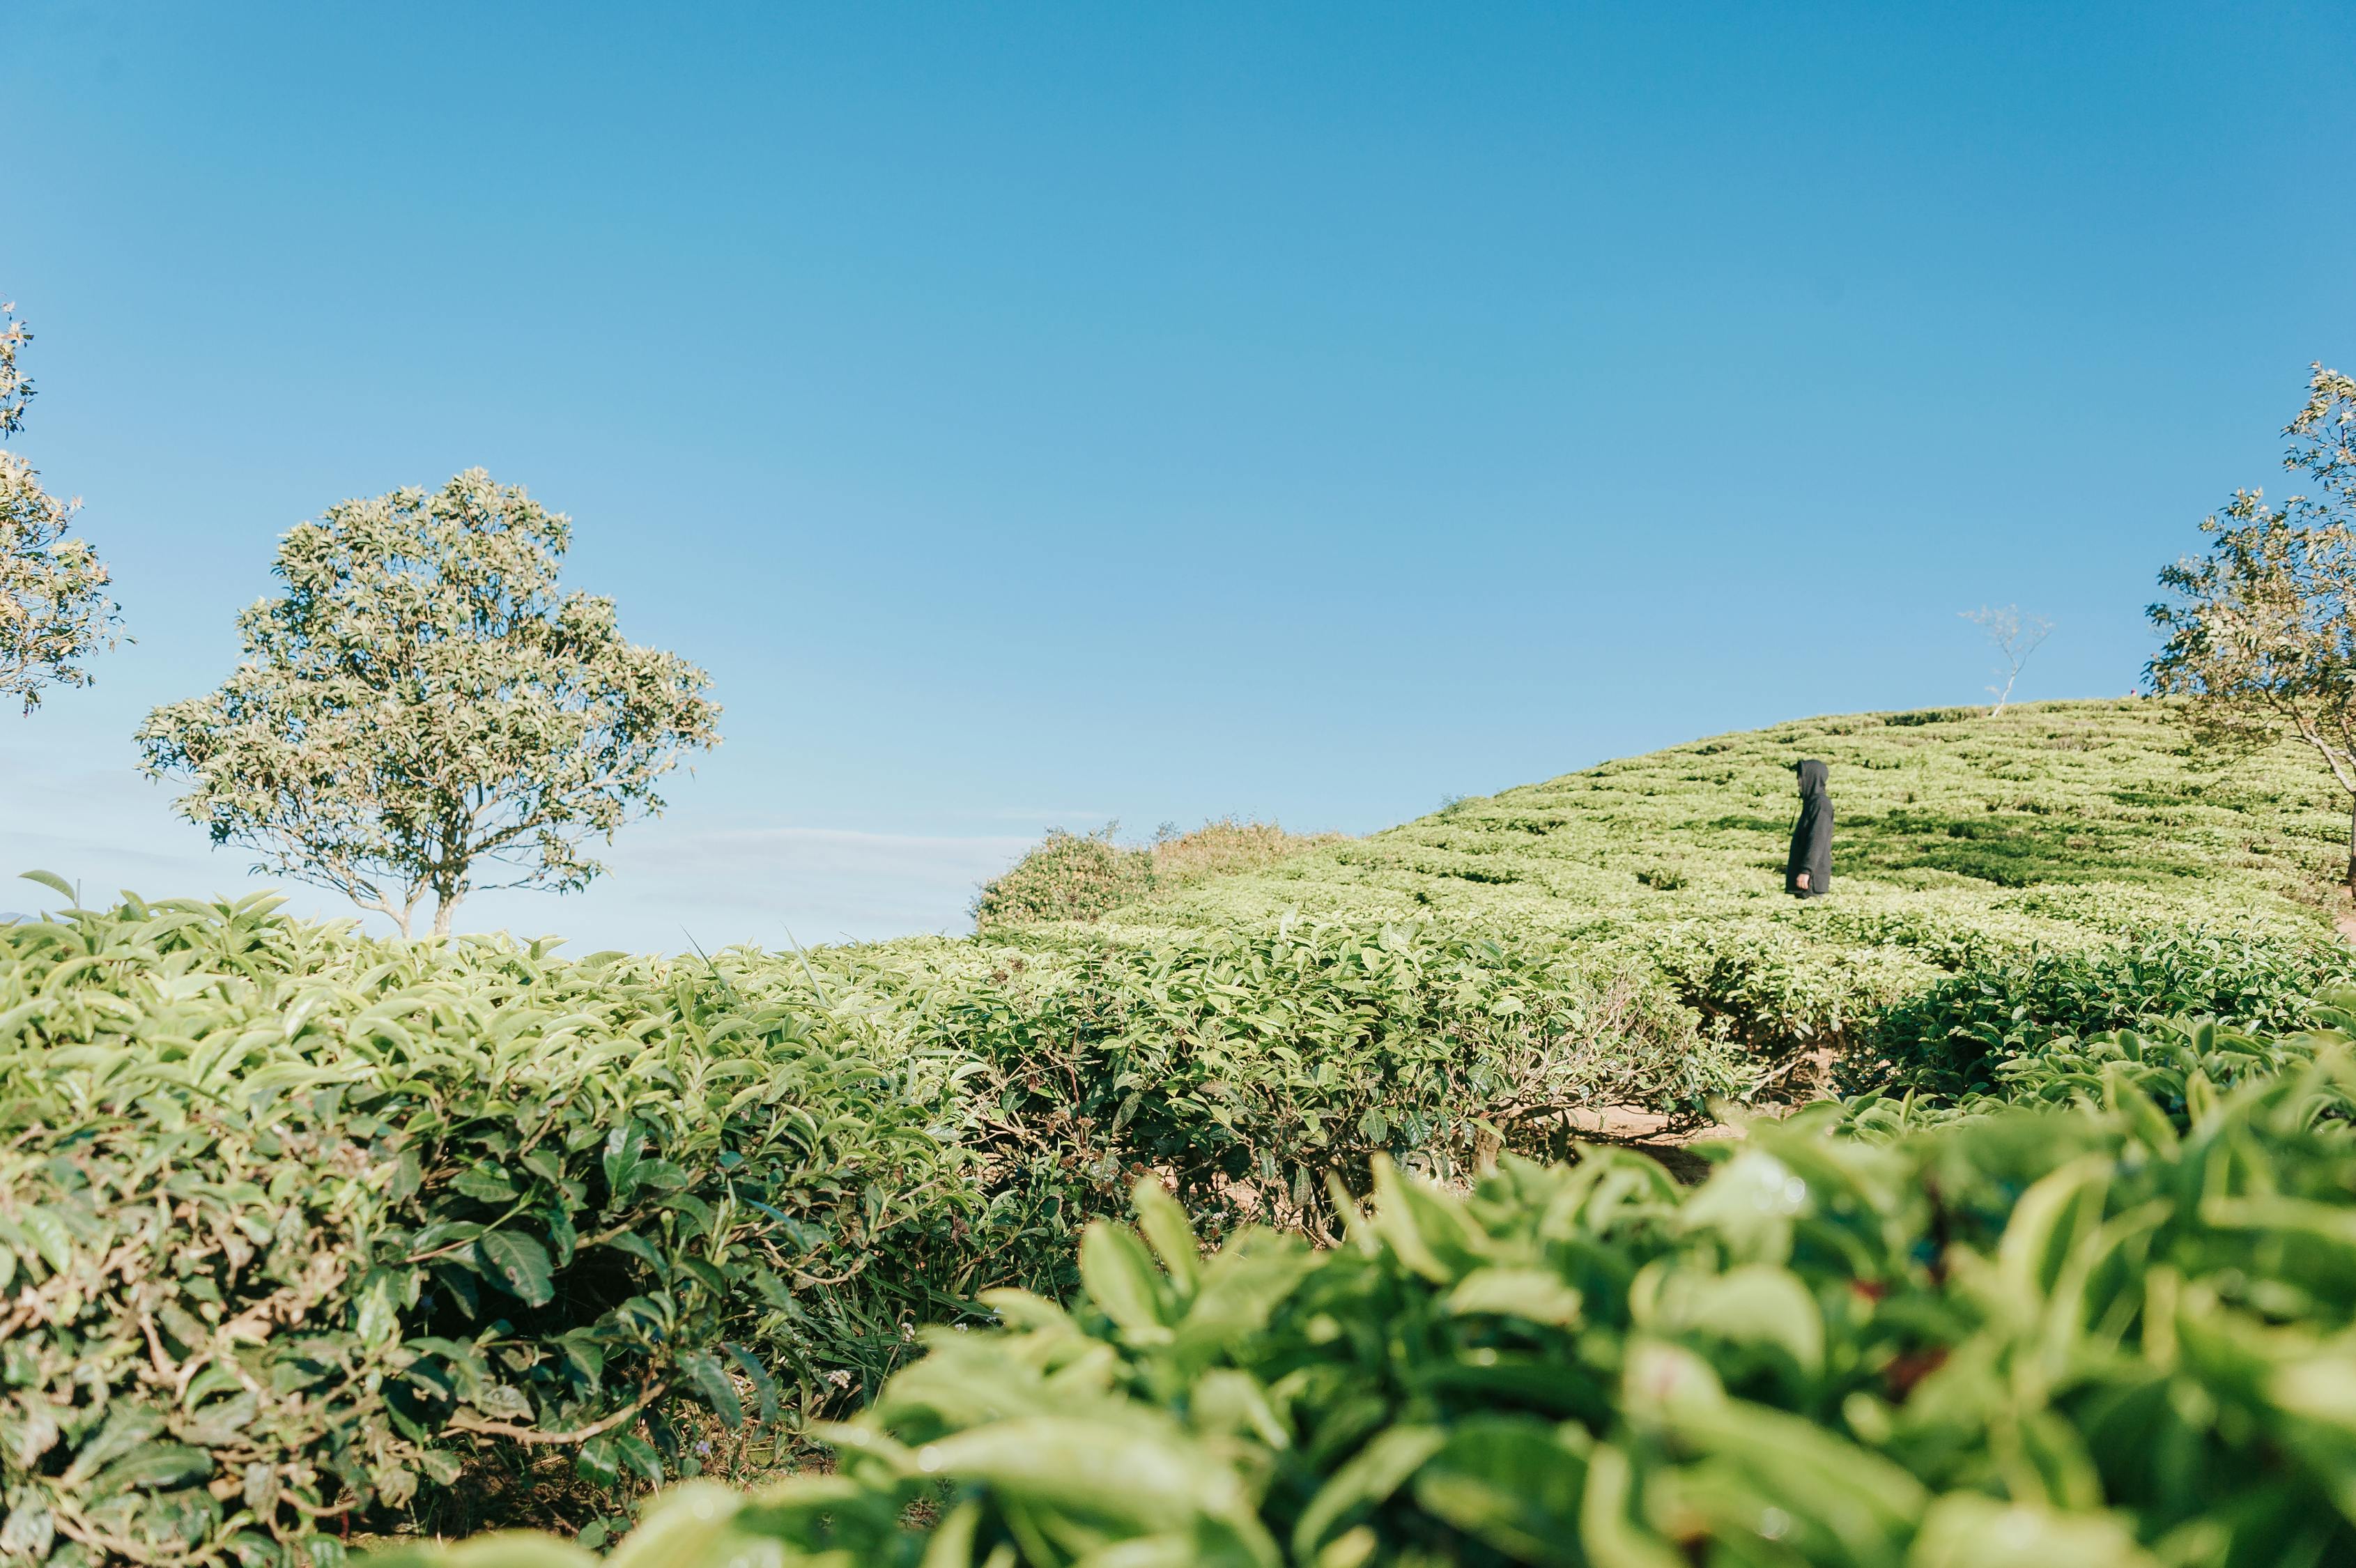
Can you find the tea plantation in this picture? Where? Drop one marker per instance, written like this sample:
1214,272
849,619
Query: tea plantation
303,1234
1965,844
2115,1337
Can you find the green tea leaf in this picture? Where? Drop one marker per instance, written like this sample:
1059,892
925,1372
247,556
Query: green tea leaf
51,1239
517,1264
1120,1280
50,880
1510,1485
711,1383
1164,1224
154,1464
1533,1294
1367,1479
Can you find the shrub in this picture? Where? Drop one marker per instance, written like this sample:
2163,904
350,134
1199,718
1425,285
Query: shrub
2088,1337
1224,848
1776,989
1929,717
1069,876
1956,1038
2178,1063
1246,1067
301,1221
293,1218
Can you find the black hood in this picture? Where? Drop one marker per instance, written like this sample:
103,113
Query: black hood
1811,835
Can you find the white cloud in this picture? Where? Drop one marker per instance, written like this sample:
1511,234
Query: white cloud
107,829
1077,820
824,884
74,803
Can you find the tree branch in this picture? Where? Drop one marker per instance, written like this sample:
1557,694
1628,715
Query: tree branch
579,1434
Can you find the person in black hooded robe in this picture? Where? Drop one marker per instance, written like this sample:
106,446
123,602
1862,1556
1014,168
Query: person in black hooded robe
1809,872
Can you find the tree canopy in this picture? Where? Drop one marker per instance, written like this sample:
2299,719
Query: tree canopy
2261,634
54,607
423,711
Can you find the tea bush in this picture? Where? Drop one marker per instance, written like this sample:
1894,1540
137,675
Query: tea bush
2064,868
288,1220
297,1221
1245,1066
2103,1335
2175,1062
1959,1037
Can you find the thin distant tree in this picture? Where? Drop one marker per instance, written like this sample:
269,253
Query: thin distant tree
2016,637
2261,634
422,708
54,608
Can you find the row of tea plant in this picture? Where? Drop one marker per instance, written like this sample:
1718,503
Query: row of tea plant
294,1224
2110,1328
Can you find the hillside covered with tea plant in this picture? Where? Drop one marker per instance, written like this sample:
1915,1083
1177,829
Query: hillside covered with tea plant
2087,795
302,1231
2067,835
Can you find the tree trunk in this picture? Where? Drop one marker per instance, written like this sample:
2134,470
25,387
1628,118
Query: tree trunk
447,902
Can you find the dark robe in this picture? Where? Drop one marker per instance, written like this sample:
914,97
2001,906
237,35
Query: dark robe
1811,835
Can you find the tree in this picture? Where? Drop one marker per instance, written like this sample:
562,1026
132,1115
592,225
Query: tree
2016,638
2260,636
421,706
54,608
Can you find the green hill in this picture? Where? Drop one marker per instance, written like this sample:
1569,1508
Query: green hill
381,1218
2077,795
2057,828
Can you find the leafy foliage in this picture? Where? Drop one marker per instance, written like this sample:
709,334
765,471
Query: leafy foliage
1967,846
423,706
2065,869
290,1219
2178,1062
1224,847
2104,1336
878,1131
1247,1067
2260,632
15,387
1070,876
1961,1037
54,608
297,1219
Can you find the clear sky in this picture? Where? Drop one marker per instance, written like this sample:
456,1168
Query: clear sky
1034,415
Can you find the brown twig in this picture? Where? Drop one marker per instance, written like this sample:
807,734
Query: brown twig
579,1434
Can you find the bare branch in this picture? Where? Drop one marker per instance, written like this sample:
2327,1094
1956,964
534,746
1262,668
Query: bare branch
2016,638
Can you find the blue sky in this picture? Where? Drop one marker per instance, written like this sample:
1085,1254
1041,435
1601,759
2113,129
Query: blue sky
1036,414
